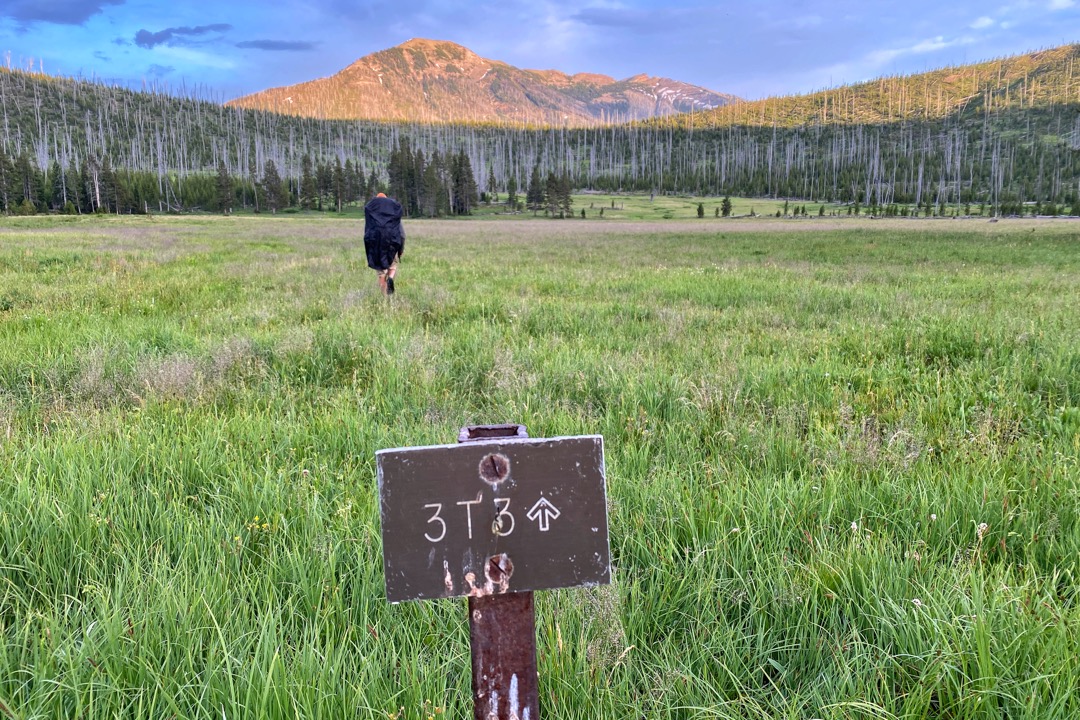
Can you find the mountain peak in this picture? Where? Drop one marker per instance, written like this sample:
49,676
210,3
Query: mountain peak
424,80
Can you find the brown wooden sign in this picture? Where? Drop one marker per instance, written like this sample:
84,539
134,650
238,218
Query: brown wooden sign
494,516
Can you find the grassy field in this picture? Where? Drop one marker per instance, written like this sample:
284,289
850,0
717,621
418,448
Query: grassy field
843,463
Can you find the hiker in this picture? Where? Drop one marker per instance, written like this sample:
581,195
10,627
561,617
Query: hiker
384,239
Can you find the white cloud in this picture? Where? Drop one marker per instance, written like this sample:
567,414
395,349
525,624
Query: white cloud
982,23
873,63
196,57
1061,4
931,45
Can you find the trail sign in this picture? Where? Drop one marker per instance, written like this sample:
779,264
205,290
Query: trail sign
493,516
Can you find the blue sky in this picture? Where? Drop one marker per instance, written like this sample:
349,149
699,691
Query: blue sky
750,48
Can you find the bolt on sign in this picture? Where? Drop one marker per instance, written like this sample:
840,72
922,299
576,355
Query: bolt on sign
496,516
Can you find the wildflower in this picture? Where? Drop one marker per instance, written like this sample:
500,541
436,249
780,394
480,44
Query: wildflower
734,531
854,526
981,530
916,602
933,517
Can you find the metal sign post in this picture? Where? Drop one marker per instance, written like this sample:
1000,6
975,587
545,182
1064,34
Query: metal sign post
493,518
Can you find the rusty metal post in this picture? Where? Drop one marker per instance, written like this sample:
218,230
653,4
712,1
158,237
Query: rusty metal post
502,630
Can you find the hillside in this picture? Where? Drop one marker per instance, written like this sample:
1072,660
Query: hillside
1040,79
433,81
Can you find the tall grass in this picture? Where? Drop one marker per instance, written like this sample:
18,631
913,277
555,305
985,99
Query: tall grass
843,465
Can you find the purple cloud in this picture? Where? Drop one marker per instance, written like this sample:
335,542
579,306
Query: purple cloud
277,45
176,35
60,12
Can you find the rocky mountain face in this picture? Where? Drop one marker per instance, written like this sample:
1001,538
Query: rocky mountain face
433,81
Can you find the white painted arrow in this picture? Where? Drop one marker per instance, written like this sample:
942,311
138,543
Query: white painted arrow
543,512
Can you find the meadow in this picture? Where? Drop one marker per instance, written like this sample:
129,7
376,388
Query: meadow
843,462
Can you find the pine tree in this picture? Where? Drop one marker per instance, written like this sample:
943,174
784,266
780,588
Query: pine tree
436,193
566,197
551,194
25,182
464,184
7,173
108,187
534,196
701,209
353,182
308,188
725,207
493,195
324,183
224,189
339,184
511,193
274,192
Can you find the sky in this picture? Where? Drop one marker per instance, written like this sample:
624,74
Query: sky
751,48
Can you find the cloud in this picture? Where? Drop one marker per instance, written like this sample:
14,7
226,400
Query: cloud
197,57
643,22
1061,4
176,35
60,12
982,23
160,71
278,45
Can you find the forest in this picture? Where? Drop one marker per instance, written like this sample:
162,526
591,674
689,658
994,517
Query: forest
1005,136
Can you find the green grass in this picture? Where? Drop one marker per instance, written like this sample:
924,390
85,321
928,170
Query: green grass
807,427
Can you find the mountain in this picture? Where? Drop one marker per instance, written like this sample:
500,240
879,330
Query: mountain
434,81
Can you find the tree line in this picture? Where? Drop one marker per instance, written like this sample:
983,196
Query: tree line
108,149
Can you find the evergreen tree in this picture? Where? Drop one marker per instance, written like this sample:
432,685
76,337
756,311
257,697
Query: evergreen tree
436,192
340,185
324,184
551,194
108,187
274,193
25,182
534,195
511,193
353,182
566,198
464,184
308,188
224,189
58,186
7,176
725,206
701,209
493,195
